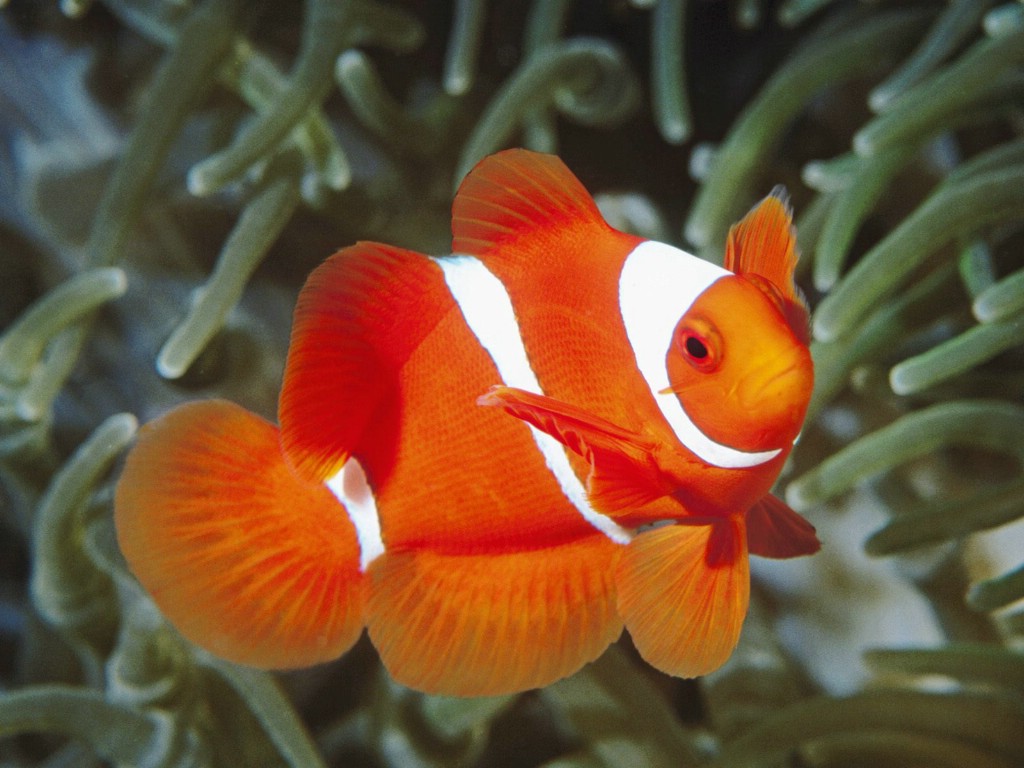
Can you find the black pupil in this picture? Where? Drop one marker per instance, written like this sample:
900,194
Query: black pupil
695,348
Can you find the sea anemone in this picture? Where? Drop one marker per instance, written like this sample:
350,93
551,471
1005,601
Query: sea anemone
172,169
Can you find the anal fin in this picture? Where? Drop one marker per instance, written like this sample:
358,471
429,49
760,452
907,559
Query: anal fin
242,556
496,623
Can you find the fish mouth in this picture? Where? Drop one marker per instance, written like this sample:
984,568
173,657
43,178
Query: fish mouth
747,391
755,390
777,400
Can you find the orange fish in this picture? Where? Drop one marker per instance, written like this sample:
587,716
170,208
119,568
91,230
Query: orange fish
497,459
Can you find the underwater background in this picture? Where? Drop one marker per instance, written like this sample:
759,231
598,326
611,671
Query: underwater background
170,171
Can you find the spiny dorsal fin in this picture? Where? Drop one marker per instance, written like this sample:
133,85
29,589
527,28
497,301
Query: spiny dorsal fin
518,192
763,245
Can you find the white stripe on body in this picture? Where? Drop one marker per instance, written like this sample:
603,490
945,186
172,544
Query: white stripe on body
487,309
351,489
658,285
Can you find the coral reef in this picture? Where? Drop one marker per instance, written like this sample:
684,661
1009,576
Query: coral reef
170,171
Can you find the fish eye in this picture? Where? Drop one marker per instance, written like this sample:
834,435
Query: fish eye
698,343
696,348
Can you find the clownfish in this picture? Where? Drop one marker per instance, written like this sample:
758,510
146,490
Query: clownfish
495,460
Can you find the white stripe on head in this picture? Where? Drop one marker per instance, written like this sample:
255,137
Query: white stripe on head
351,489
658,285
487,309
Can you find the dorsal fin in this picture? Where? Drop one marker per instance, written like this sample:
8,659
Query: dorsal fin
518,192
763,246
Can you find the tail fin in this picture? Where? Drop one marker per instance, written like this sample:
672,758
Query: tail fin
683,592
243,557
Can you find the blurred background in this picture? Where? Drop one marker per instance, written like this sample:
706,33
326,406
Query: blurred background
171,170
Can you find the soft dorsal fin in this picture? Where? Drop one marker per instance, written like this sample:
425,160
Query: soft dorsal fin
762,246
518,192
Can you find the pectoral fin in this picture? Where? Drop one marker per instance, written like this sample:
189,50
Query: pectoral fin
777,531
623,474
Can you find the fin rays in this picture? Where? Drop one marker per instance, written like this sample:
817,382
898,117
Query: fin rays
241,555
683,614
474,625
777,531
762,247
358,317
513,193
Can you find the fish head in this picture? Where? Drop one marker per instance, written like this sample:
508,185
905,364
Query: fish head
740,366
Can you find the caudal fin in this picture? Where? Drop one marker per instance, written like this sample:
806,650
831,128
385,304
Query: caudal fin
683,594
243,557
489,624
